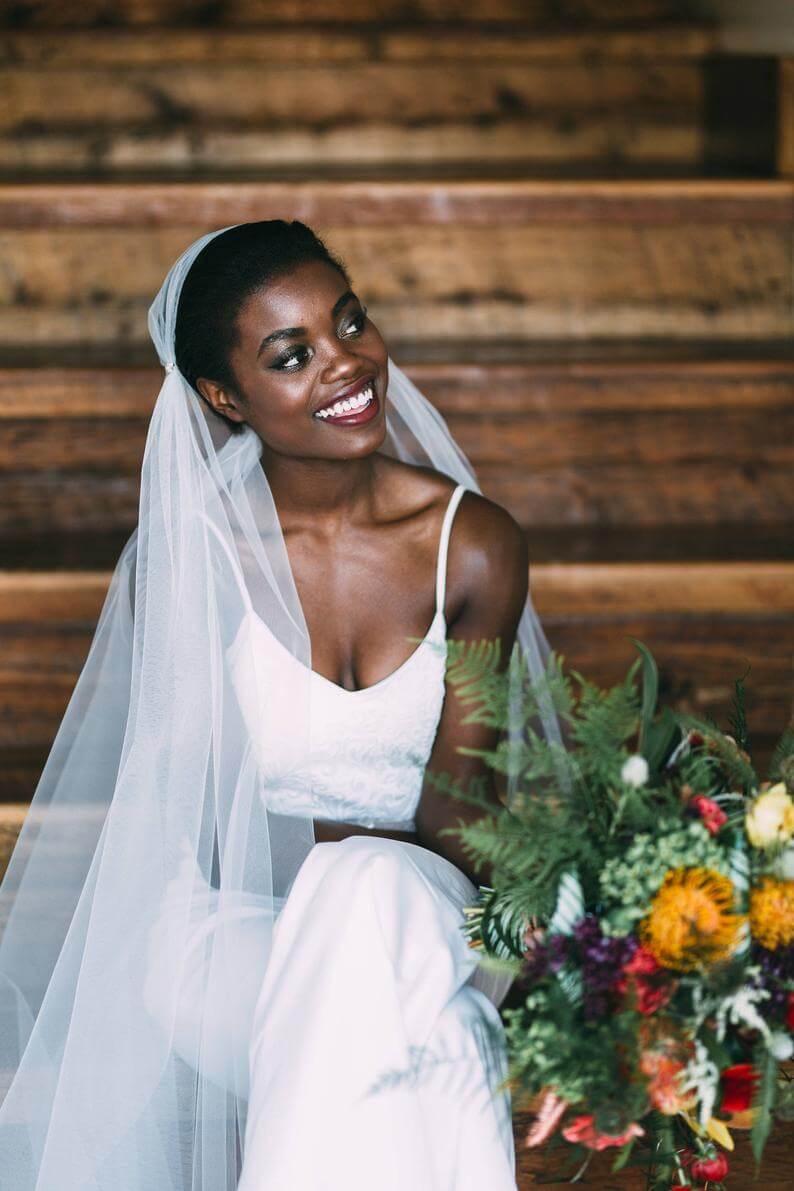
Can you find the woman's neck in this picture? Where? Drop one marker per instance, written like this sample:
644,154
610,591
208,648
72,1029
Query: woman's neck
327,490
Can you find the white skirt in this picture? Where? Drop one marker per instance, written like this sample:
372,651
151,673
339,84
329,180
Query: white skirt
371,1048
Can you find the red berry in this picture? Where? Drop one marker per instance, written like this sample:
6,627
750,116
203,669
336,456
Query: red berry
710,1169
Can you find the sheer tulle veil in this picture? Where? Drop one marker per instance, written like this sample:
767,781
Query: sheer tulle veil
150,792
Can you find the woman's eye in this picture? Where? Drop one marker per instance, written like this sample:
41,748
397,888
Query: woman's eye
283,362
360,317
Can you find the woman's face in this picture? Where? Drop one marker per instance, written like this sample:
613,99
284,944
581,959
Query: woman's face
304,342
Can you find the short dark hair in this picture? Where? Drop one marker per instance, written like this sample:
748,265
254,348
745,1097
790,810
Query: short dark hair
232,266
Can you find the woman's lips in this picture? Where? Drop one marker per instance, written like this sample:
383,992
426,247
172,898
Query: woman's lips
354,417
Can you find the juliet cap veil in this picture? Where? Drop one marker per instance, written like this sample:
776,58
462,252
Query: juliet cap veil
151,793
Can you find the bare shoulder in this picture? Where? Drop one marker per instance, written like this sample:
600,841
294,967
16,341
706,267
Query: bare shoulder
488,557
488,560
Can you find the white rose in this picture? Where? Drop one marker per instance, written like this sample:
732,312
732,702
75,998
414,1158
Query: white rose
635,771
770,819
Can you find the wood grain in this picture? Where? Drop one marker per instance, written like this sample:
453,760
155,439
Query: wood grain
407,41
181,13
213,101
473,261
389,203
652,442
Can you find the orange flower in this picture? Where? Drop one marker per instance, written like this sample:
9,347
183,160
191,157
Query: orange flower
692,919
664,1086
772,913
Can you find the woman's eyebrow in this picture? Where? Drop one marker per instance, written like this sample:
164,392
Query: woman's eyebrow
294,332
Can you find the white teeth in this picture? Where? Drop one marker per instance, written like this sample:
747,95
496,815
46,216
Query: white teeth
347,404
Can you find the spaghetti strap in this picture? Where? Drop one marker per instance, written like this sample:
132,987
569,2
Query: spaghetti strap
446,525
235,565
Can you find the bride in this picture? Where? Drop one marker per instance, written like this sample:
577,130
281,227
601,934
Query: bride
233,952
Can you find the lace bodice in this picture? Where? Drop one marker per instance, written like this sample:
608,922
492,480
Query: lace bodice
369,747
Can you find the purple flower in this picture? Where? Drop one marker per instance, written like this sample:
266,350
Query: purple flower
777,975
601,961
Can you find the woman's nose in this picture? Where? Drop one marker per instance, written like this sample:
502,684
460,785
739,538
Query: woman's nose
341,363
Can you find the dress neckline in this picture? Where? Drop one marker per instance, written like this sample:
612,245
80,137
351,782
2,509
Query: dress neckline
373,686
329,682
438,616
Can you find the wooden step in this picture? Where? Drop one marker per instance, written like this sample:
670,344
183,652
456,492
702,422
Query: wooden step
209,102
246,13
706,622
470,260
646,442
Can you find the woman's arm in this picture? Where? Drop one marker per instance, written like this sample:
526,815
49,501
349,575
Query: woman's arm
487,582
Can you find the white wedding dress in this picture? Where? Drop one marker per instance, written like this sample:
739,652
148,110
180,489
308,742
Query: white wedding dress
371,1048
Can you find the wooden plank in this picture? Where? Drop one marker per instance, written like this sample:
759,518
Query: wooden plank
589,143
785,148
669,589
628,494
650,442
472,260
52,598
145,102
172,95
324,42
628,497
654,379
666,484
615,589
394,203
11,819
182,13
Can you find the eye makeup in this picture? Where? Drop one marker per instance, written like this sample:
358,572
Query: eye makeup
282,362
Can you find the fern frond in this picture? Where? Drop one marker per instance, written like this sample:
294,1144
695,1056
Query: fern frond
782,756
737,720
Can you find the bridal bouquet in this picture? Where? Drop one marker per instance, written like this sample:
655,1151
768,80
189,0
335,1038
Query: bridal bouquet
643,895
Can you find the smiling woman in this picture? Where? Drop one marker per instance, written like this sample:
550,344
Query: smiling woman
240,780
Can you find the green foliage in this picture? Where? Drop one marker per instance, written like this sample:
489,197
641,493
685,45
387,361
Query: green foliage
551,1046
782,765
476,672
738,715
630,882
763,1101
589,835
723,758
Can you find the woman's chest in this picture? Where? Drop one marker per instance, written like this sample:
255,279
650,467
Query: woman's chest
364,754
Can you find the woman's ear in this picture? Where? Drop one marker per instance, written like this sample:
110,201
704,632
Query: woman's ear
220,399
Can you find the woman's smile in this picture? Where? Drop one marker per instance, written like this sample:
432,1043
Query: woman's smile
362,406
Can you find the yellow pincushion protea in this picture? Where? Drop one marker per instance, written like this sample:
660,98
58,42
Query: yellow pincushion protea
692,921
772,913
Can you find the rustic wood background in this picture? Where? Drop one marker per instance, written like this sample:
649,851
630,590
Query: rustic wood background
573,221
